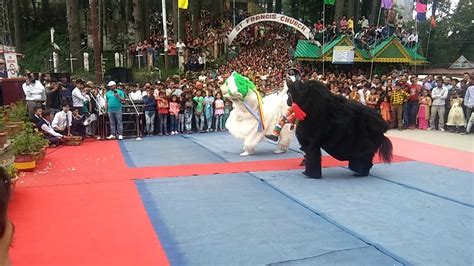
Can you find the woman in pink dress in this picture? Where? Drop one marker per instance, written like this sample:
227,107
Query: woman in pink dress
424,110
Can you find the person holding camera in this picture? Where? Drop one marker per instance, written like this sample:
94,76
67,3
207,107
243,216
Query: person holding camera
35,93
114,99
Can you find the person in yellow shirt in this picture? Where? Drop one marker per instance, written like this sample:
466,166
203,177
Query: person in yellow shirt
350,25
397,99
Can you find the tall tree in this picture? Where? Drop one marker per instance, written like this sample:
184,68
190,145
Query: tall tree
17,21
278,6
269,6
72,9
175,19
339,10
374,12
350,8
195,12
45,12
138,15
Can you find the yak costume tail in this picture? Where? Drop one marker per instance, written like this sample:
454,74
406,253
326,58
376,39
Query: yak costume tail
386,150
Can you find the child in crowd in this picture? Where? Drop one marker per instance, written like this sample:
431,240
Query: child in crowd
174,112
208,109
162,103
385,109
188,112
181,117
199,110
219,112
456,115
150,110
424,110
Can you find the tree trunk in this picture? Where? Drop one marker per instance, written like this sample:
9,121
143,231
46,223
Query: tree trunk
294,8
339,10
356,13
195,12
374,11
269,6
138,15
146,18
17,19
350,8
25,14
278,5
128,10
45,12
72,7
175,20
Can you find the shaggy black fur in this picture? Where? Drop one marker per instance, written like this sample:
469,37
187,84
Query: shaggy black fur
347,130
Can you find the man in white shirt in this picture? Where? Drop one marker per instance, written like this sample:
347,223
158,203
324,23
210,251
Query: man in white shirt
35,93
135,93
439,96
62,121
78,97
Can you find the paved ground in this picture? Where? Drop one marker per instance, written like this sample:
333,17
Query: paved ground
446,139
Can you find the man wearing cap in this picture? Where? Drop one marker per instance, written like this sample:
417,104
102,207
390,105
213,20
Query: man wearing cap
114,98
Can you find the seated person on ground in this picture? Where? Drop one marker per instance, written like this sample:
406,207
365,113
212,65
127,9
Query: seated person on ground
44,125
63,120
37,115
77,125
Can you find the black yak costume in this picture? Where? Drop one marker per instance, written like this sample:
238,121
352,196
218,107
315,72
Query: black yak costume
347,130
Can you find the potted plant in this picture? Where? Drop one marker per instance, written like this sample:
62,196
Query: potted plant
3,134
12,172
17,117
25,145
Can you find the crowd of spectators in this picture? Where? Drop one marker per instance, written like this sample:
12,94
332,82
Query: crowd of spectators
194,102
405,101
207,44
365,35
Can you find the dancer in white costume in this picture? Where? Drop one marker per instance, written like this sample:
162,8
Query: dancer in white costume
253,117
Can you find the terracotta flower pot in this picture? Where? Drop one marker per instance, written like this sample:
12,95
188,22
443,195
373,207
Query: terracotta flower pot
25,162
3,139
42,153
73,140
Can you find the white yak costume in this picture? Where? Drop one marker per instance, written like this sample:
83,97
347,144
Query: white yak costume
249,109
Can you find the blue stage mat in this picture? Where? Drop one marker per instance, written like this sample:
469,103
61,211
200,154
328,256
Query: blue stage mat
195,149
419,227
237,219
165,150
452,184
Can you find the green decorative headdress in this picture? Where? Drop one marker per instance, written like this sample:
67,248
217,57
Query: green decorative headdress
237,83
243,84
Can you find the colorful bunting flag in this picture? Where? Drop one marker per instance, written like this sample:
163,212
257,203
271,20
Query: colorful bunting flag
329,2
386,4
182,4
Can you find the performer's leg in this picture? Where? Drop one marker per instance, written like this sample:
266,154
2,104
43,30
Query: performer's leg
313,163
